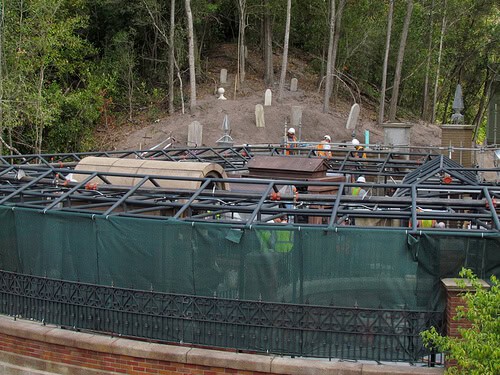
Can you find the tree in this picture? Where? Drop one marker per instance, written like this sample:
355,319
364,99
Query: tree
242,15
329,62
477,349
268,45
284,63
192,68
171,58
399,63
386,61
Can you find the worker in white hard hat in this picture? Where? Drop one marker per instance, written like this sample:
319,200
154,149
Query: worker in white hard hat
324,147
359,148
359,191
290,141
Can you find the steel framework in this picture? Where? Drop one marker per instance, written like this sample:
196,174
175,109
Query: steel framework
253,201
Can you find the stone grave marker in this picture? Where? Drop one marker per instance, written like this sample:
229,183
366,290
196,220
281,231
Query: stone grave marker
352,120
259,116
294,84
268,97
296,118
195,134
223,76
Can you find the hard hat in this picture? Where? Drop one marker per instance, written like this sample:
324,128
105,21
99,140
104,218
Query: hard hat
328,137
361,179
291,131
355,142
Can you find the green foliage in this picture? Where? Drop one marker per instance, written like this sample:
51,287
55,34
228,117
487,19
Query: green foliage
65,60
477,349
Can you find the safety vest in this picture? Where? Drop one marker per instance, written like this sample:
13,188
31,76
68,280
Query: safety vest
290,145
322,146
356,190
280,241
429,223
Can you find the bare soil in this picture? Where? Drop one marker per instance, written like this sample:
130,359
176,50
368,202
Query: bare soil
240,109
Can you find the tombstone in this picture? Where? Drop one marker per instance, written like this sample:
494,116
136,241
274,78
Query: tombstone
195,134
226,140
296,118
294,84
352,120
268,97
220,92
259,116
223,76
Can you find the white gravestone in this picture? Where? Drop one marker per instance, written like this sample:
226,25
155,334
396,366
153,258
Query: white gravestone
223,76
268,97
352,120
294,84
195,134
259,116
296,119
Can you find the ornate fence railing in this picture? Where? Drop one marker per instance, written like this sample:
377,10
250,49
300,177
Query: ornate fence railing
284,329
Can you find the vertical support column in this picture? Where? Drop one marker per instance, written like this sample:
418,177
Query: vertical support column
454,299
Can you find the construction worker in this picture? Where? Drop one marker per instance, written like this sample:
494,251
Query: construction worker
358,191
359,149
324,147
428,223
290,141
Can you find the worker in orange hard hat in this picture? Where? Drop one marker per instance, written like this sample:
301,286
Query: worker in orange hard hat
324,147
290,141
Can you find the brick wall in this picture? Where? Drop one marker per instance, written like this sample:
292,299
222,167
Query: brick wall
453,300
51,350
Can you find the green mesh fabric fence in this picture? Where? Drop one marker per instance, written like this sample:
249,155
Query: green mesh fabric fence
344,267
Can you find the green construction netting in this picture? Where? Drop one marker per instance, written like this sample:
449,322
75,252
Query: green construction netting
345,267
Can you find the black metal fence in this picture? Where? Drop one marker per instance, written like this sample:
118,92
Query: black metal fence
284,329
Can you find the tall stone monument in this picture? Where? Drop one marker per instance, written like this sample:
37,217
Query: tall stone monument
456,138
226,140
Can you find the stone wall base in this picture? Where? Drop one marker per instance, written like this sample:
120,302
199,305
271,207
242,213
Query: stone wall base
31,348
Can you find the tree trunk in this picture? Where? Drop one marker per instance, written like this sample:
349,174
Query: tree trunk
336,39
39,116
242,8
268,46
425,104
192,68
171,58
399,64
438,67
329,63
482,103
284,64
386,62
2,11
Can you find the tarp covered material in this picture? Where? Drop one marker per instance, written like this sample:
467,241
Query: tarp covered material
344,267
130,167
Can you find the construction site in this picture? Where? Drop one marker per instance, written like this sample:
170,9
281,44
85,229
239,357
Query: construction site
257,248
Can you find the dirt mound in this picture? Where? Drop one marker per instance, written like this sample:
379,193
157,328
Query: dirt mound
240,109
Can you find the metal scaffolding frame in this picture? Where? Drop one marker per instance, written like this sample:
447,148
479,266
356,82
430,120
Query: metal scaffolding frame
460,204
381,162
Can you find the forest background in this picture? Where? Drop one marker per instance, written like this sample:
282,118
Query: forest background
71,69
